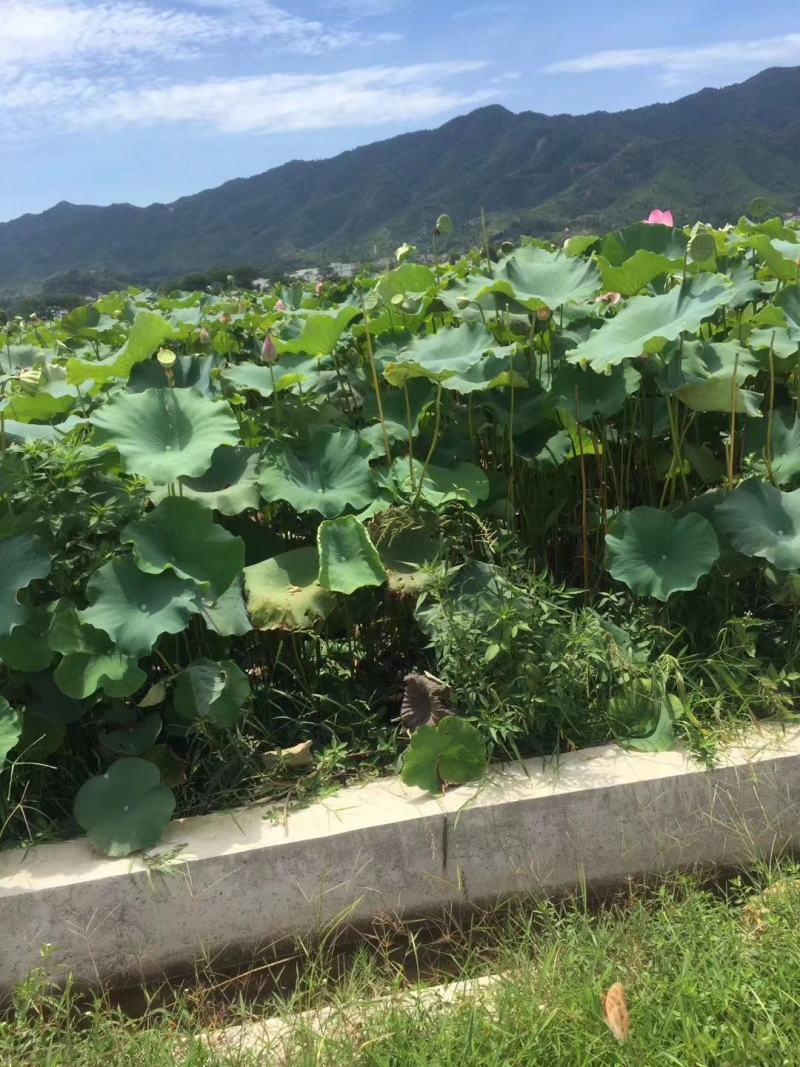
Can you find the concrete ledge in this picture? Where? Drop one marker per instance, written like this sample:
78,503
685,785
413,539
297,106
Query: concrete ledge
240,880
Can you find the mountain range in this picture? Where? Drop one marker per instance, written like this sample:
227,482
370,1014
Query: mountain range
704,156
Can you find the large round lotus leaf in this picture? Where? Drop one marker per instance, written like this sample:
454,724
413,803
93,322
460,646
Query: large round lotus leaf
407,558
648,320
126,809
47,404
147,334
701,375
128,734
784,453
537,278
464,482
448,754
348,560
620,245
286,373
26,648
210,690
321,331
331,474
187,372
657,555
79,675
134,609
442,355
284,592
635,273
165,434
23,559
10,728
584,394
229,486
43,697
227,615
181,536
759,520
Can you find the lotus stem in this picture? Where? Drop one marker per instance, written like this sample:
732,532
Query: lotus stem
376,387
768,448
732,447
434,442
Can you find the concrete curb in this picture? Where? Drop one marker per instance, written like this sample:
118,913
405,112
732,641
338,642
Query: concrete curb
238,881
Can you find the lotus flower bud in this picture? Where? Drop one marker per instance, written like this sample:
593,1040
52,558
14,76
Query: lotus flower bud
203,336
319,287
543,314
657,217
269,352
609,298
280,305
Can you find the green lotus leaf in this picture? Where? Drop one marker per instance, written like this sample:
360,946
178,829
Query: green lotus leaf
148,332
210,690
348,560
537,278
229,486
442,355
10,729
23,559
23,431
126,809
580,244
407,279
134,609
448,754
89,660
284,592
657,555
635,273
286,373
26,648
47,404
644,717
227,615
165,434
759,520
408,557
585,393
131,735
701,375
180,535
784,451
779,256
321,332
331,474
647,321
464,482
620,245
44,698
187,372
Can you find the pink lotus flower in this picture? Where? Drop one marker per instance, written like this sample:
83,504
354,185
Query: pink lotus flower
319,287
609,298
657,217
203,336
269,352
279,305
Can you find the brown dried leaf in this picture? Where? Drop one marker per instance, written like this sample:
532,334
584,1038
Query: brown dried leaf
615,1009
422,702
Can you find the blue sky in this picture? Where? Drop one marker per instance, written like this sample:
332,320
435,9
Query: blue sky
148,100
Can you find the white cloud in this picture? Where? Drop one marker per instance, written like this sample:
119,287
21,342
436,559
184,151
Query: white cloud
71,34
678,65
278,103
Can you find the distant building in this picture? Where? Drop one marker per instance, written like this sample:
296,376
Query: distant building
307,274
344,271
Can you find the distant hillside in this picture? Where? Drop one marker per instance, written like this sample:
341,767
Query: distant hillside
705,156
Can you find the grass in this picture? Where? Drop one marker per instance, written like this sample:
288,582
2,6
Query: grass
712,977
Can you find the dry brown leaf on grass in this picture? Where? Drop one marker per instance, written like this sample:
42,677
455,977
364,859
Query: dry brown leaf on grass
296,756
615,1010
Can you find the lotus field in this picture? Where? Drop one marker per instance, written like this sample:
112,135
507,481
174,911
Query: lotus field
556,489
